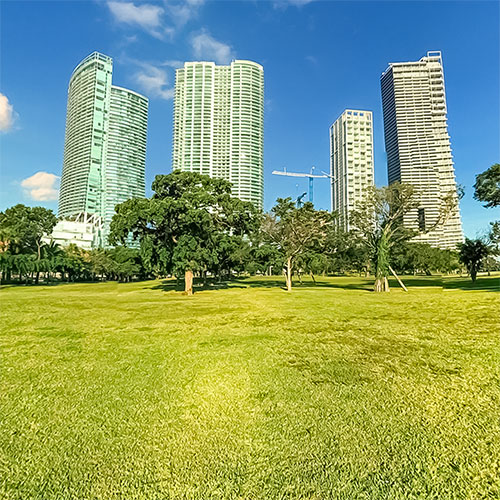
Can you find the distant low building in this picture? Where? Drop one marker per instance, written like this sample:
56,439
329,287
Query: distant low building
84,231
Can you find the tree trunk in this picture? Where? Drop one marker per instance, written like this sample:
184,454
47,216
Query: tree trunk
381,285
39,256
188,282
289,274
473,274
382,265
313,278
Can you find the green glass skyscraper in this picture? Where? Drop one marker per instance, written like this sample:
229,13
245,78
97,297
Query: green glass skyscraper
105,144
219,124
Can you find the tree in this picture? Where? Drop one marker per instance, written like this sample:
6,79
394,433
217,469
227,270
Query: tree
181,226
26,226
101,263
265,258
75,262
124,262
294,231
378,221
472,253
413,257
52,256
487,186
22,229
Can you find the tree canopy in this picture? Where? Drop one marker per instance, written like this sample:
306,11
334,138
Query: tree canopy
294,230
487,186
185,225
472,253
22,227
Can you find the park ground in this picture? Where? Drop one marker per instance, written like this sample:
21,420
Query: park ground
134,391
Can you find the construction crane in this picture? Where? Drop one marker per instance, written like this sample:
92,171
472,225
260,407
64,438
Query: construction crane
310,176
299,200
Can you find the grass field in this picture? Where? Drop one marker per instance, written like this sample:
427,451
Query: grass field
133,391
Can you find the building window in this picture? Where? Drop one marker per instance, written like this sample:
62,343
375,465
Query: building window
421,219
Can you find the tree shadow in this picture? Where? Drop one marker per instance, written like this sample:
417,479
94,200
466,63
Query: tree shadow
199,285
482,283
276,282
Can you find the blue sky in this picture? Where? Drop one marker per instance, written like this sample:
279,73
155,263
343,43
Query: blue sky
319,58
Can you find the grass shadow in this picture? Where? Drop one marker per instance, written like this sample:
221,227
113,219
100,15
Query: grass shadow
482,283
276,282
199,285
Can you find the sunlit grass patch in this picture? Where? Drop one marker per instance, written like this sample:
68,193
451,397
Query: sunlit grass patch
332,391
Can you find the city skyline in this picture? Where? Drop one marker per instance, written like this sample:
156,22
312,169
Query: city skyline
304,91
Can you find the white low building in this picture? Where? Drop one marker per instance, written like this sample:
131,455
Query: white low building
84,231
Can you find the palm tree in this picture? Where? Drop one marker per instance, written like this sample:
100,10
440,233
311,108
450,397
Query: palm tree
51,254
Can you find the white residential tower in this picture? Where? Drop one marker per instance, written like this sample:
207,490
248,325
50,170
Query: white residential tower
351,161
418,145
219,124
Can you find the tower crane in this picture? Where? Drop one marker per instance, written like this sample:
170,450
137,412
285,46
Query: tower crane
311,176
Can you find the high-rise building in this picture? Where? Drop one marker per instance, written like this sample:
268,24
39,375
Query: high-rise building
351,161
418,145
105,144
219,124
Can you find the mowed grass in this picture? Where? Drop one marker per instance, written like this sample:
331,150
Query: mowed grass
132,391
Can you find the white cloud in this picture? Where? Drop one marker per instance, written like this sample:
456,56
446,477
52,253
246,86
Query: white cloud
42,186
146,16
7,114
205,47
183,11
150,17
154,81
173,64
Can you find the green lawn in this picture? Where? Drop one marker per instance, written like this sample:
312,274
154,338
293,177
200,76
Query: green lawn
133,391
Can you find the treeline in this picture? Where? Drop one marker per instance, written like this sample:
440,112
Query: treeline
192,226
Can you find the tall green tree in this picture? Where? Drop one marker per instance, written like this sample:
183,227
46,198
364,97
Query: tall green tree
181,226
52,257
378,221
487,186
294,231
22,229
26,226
472,253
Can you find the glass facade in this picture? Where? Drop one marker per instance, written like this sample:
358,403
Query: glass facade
105,144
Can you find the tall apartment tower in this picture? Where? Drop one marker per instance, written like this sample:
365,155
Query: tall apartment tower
418,145
351,161
105,145
219,124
